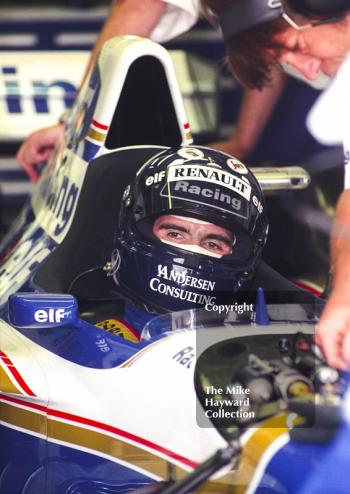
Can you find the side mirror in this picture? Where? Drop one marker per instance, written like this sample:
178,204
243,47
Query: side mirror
282,177
42,310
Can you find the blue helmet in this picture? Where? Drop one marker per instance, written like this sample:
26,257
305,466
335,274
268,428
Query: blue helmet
203,185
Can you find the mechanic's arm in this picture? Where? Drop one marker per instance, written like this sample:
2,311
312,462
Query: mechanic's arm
126,17
37,149
333,330
256,109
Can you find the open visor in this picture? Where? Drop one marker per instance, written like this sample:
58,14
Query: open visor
243,247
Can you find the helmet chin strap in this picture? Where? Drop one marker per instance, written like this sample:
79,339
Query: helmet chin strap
193,248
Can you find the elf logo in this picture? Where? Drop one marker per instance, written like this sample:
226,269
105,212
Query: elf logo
15,92
50,315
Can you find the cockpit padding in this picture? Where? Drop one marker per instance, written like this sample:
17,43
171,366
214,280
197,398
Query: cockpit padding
89,241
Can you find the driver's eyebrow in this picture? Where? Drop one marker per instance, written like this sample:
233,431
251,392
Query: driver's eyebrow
173,226
220,238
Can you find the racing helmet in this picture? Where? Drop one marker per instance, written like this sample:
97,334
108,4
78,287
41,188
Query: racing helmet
204,186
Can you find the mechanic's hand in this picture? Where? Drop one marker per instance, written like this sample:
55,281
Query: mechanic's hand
37,149
333,331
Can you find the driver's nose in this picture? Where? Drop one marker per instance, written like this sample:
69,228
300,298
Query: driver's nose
309,67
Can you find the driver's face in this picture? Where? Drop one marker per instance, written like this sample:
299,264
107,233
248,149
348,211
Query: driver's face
195,235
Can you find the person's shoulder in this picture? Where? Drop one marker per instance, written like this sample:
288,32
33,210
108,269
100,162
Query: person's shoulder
178,18
184,4
327,121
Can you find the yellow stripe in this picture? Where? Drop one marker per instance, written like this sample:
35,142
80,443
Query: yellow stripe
100,442
95,135
189,137
255,448
6,385
111,446
76,436
134,455
19,417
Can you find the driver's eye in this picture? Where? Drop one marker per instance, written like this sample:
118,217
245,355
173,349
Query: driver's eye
213,246
218,247
174,235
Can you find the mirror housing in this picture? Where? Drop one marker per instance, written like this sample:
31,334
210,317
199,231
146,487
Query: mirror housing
42,310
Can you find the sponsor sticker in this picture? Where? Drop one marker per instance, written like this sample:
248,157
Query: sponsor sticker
209,174
258,204
186,357
119,328
177,284
207,195
237,166
190,153
209,186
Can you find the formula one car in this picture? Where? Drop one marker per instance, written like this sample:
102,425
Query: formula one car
196,404
86,411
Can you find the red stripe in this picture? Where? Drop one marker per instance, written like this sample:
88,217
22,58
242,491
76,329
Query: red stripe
130,328
99,125
186,126
16,374
12,399
11,249
104,427
307,287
